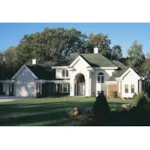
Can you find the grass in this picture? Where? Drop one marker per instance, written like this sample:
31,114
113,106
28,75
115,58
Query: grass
45,111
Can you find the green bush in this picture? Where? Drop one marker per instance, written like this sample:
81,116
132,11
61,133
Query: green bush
134,96
71,112
141,99
114,94
100,106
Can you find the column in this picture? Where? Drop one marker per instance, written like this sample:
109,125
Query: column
88,85
140,86
72,87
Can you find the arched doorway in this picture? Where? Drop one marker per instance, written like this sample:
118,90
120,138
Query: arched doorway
80,85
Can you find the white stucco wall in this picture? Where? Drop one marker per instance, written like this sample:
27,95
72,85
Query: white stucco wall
99,86
80,67
129,79
90,76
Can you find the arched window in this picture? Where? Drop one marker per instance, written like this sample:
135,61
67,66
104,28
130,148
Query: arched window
100,78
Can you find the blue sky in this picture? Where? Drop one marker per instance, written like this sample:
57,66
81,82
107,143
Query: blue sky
119,33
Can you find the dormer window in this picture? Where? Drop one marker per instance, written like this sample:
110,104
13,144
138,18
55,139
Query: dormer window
65,73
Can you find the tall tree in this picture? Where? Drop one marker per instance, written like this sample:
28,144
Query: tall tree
50,45
11,59
136,55
148,55
116,52
98,40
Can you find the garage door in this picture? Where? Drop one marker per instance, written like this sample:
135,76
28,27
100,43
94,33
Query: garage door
25,90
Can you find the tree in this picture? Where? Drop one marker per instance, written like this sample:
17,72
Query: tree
11,59
148,55
116,52
50,45
136,56
98,40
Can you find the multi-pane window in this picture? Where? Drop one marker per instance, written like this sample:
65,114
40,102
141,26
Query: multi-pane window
126,88
132,88
64,88
65,73
100,78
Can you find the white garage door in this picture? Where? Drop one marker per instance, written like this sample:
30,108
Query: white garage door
25,90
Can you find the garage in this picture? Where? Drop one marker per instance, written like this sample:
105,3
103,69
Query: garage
25,90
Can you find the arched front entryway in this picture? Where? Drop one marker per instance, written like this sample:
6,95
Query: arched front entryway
80,85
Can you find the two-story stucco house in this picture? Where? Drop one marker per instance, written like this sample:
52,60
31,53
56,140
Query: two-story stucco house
85,74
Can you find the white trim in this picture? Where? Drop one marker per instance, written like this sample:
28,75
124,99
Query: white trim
58,81
7,81
76,60
24,66
59,67
107,68
89,68
111,82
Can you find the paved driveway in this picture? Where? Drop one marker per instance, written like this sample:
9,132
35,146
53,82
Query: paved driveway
8,98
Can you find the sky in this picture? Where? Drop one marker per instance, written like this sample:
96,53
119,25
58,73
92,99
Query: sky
119,33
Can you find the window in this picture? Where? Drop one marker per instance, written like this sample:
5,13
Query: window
65,73
132,88
10,87
64,88
100,78
38,87
126,88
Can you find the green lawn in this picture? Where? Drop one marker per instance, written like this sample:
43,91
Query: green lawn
45,111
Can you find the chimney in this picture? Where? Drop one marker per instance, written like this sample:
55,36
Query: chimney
33,61
96,50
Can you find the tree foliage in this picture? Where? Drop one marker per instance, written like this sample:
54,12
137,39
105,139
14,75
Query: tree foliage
136,56
50,45
98,40
116,52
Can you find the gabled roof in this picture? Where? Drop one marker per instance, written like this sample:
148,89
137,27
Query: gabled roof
117,74
121,70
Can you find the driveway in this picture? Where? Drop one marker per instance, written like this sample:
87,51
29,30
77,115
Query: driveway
8,98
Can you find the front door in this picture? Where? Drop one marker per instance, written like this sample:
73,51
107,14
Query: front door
81,89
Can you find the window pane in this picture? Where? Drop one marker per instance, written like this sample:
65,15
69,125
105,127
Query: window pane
132,88
63,73
100,73
65,88
126,88
98,79
67,73
102,79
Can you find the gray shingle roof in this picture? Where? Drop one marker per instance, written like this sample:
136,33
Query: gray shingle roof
42,72
117,73
95,60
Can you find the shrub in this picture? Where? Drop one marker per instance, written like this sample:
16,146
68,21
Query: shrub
141,99
134,96
71,112
114,94
100,106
